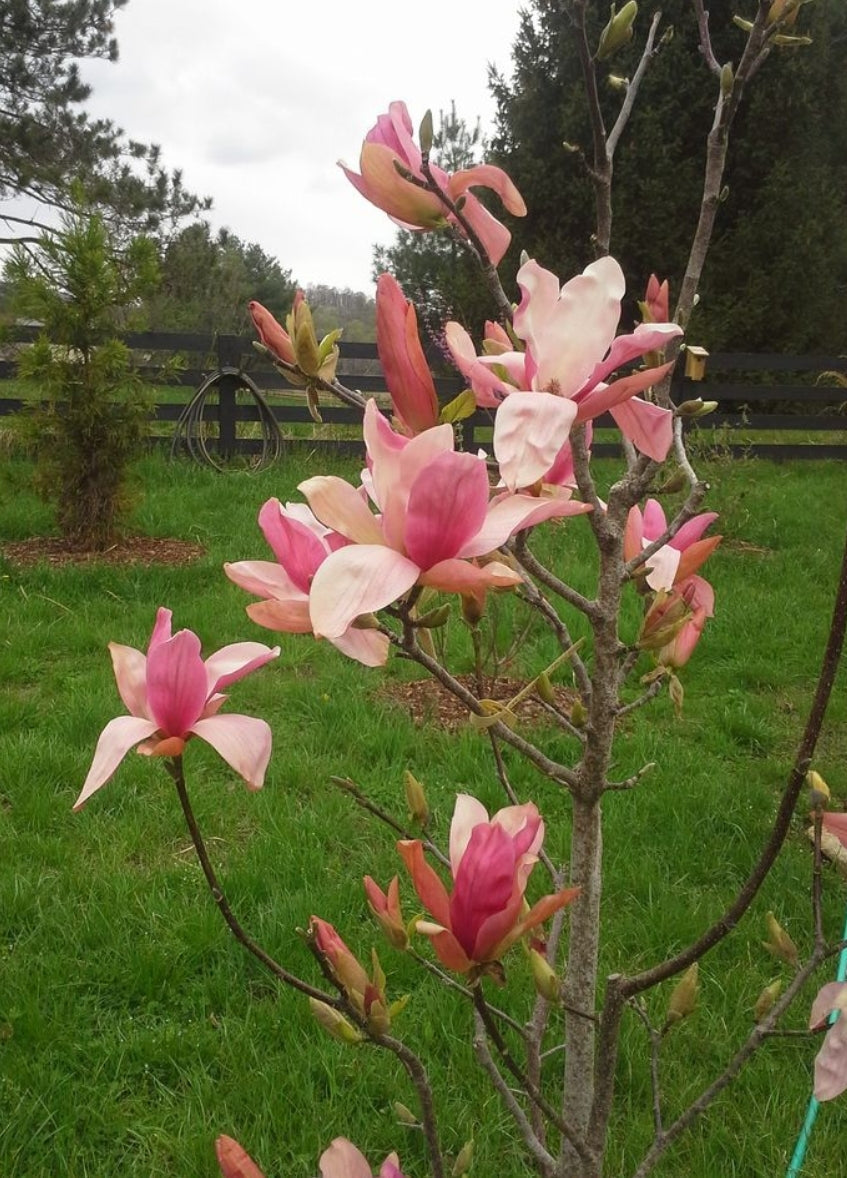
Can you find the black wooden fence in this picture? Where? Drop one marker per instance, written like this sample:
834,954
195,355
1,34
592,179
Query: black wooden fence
769,405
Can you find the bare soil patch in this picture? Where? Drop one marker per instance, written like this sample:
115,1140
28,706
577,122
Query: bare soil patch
145,550
428,702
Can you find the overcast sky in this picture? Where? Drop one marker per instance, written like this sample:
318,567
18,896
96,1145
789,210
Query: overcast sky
256,100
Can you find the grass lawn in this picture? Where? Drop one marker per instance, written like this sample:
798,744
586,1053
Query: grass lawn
133,1029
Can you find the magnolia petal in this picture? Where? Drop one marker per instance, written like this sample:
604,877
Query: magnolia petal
647,337
524,825
293,543
831,1062
488,176
493,234
116,739
633,534
484,890
832,996
271,334
836,824
460,576
447,507
130,667
487,387
368,647
467,814
244,742
264,578
648,427
342,1160
449,952
359,579
384,187
695,555
431,891
510,513
693,530
539,912
407,375
161,628
233,662
340,507
662,567
288,617
529,431
600,399
235,1162
176,683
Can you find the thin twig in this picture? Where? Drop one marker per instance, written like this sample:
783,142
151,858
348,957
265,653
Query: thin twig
361,799
450,981
655,1036
633,87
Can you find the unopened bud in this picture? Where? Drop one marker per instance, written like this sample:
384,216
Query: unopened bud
463,1161
404,1115
543,976
434,619
618,31
473,609
416,799
818,790
334,1022
683,1000
727,80
545,688
766,1000
570,147
666,37
723,194
425,133
779,943
366,622
579,714
617,82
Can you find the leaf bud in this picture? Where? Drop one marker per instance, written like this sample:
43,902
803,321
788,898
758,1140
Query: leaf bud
618,31
405,1115
545,688
463,1160
425,133
616,82
779,943
579,714
727,80
683,1000
434,618
766,1000
543,976
818,790
334,1022
416,799
472,609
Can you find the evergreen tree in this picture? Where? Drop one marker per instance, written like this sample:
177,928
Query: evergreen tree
47,141
781,230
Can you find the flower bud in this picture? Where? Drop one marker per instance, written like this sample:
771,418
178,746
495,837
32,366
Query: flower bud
766,1000
617,83
434,619
405,1115
386,908
473,609
334,1022
779,943
544,977
818,790
545,688
416,799
579,714
425,133
683,1000
463,1160
618,31
727,80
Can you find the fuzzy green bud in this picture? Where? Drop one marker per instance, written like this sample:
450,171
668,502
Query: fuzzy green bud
766,1000
416,799
334,1022
618,31
425,133
683,1000
543,976
779,944
463,1160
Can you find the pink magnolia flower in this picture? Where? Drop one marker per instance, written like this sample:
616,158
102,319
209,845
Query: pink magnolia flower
831,1060
655,308
435,520
300,544
386,908
683,554
571,349
406,371
343,1160
413,207
171,695
490,862
699,597
366,995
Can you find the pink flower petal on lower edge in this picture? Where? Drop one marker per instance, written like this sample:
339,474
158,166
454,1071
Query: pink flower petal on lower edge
293,543
449,952
488,176
359,579
460,576
831,1062
509,513
368,647
116,739
130,667
235,1162
493,234
648,427
529,431
836,824
342,1160
264,578
233,662
288,617
602,398
693,530
244,742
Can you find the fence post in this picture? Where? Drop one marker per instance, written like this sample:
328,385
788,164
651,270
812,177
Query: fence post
229,356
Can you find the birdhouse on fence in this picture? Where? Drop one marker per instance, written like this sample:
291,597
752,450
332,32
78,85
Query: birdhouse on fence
695,362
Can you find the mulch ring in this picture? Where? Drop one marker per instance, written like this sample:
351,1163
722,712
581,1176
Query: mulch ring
143,550
428,702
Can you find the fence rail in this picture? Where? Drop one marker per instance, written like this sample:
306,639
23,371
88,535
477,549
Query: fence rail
757,393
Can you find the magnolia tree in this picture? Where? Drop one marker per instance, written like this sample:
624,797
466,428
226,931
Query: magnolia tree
423,540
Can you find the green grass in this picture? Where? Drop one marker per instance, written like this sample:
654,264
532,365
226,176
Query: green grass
133,1029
